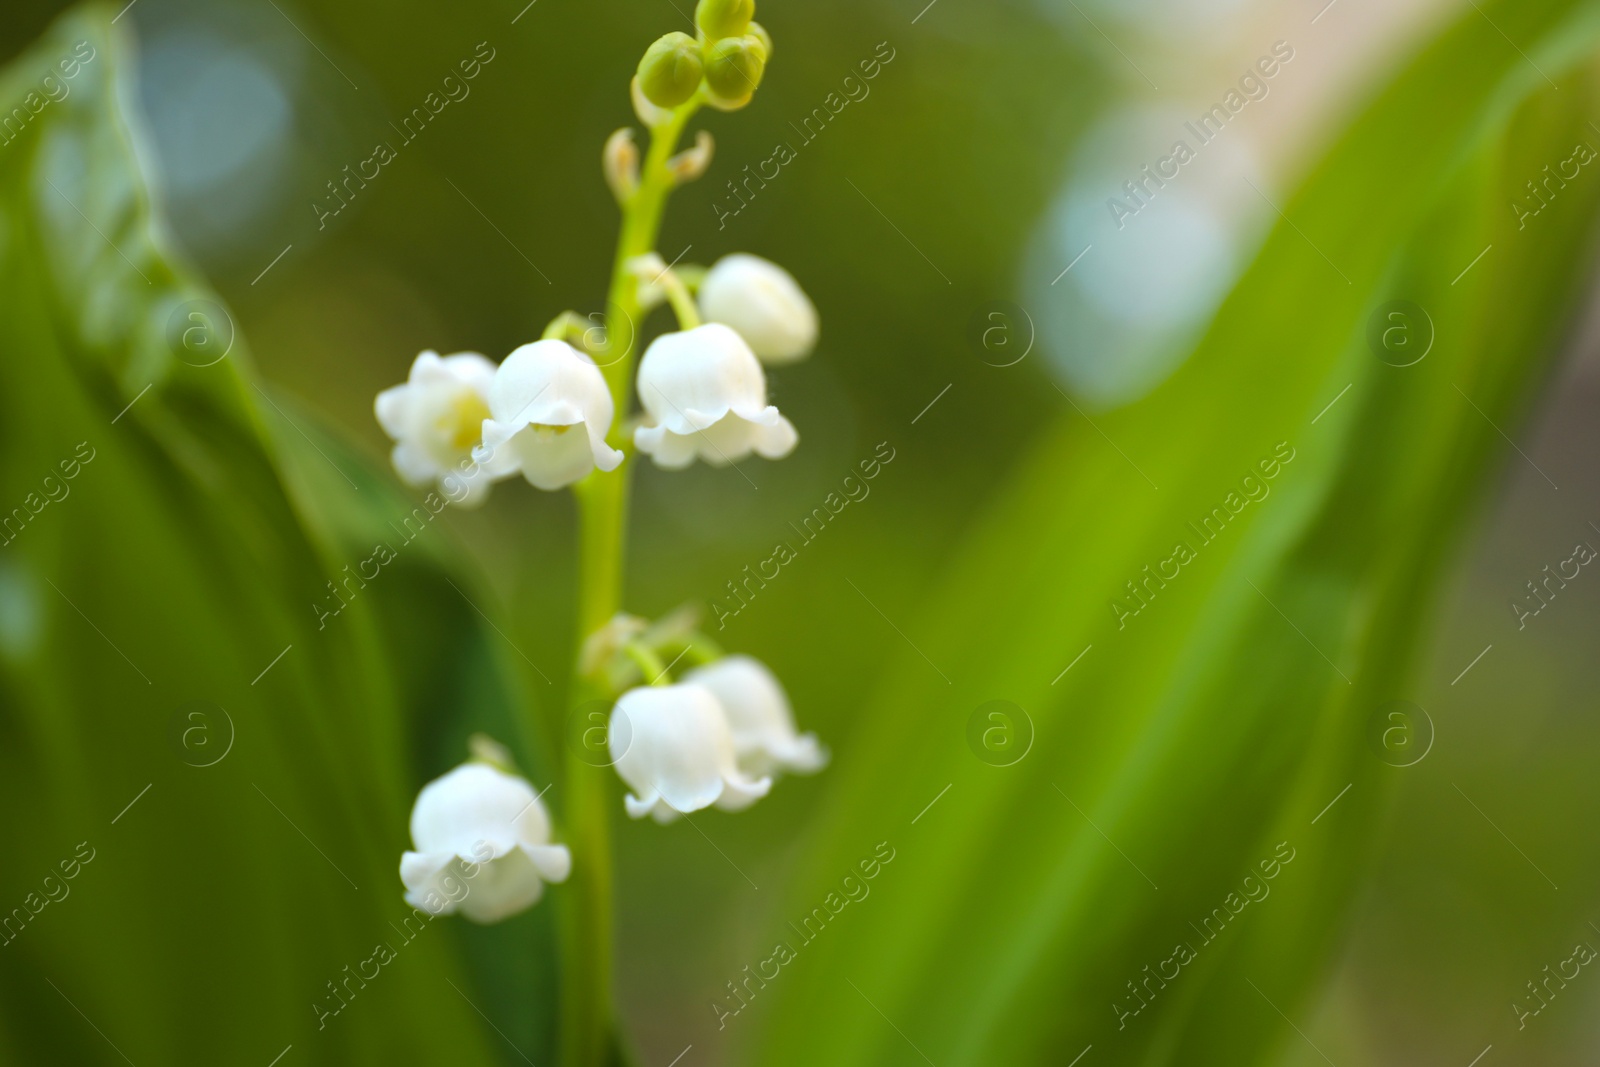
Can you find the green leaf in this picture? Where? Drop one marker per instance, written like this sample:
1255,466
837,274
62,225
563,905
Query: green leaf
168,531
1193,737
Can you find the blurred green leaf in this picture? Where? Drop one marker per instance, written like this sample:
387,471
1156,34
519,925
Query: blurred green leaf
177,525
1222,719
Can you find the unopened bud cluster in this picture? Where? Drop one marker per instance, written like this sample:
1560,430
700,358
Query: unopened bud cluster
727,56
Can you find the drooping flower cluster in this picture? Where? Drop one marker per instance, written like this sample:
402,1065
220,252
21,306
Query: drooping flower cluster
559,412
546,412
718,738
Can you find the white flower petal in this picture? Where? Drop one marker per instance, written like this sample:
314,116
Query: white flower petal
430,902
501,888
393,404
483,845
708,370
760,719
553,862
679,755
419,869
549,413
705,396
764,303
735,437
495,454
432,881
413,465
436,419
647,804
670,451
774,440
740,794
473,804
467,490
552,457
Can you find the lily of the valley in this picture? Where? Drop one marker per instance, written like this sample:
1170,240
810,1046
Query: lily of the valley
673,747
436,419
760,719
483,846
549,411
764,304
705,397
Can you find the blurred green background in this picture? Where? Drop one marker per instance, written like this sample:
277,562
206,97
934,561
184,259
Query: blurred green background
1178,351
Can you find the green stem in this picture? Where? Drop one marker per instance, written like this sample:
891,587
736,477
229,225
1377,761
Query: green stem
703,650
682,303
564,327
641,224
587,1023
587,942
649,664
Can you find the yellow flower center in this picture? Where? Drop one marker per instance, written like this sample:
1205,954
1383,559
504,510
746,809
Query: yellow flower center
463,422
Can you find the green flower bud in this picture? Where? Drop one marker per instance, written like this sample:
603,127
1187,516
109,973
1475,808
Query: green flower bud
670,71
733,68
759,32
724,18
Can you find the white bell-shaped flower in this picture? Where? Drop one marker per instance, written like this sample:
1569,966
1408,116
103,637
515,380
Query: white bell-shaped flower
765,740
436,419
764,303
483,846
706,397
549,411
671,744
